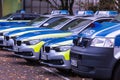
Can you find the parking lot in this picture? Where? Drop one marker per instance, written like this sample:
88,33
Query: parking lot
15,68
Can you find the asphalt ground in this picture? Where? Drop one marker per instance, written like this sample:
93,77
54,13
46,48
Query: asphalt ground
16,68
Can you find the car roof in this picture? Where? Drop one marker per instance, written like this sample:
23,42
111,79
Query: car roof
93,18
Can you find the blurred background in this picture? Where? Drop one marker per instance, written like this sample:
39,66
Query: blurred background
46,6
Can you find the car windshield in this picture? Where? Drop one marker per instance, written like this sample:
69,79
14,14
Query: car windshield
37,21
53,22
15,17
116,19
76,24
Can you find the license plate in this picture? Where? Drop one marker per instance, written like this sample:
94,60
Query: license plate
74,62
16,49
44,57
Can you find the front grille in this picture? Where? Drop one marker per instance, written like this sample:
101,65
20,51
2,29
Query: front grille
24,53
19,43
13,38
1,34
47,49
55,61
7,38
76,40
1,41
84,42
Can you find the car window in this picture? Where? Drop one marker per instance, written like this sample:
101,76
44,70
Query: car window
30,16
54,22
103,20
6,16
37,20
16,17
74,24
116,19
95,24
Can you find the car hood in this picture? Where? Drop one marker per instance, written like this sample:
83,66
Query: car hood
103,30
60,41
26,30
44,35
12,28
14,22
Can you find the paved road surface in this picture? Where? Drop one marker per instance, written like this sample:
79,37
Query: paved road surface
15,68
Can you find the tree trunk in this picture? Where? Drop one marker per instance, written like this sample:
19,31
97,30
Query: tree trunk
71,6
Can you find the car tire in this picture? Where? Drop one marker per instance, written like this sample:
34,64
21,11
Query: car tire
116,74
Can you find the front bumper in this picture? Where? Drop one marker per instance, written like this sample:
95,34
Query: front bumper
2,44
94,62
56,59
9,45
27,53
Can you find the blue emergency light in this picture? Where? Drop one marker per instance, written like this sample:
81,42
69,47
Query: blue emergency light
85,13
62,12
106,13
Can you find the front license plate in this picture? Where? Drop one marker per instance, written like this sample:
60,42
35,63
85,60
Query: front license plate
16,49
74,62
44,57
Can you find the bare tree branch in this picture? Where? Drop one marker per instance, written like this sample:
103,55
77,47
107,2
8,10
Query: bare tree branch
70,6
66,4
62,3
52,4
56,4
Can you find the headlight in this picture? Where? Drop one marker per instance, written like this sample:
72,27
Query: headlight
3,33
61,48
102,42
32,42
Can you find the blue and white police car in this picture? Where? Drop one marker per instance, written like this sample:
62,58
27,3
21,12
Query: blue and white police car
96,52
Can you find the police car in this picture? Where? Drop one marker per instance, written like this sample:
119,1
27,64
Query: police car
96,52
18,19
28,51
55,53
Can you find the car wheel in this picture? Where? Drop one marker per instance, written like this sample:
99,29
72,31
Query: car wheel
116,74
